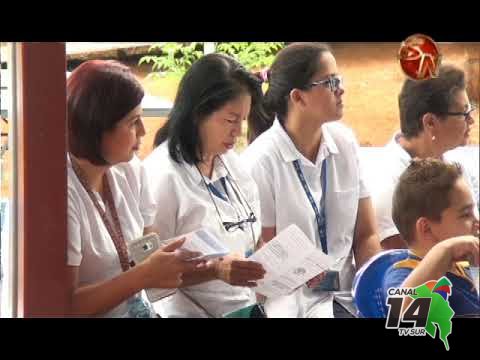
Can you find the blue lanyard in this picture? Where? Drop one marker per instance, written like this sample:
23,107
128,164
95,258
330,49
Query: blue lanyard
320,216
216,192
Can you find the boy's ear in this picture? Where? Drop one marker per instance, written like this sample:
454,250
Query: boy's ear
423,229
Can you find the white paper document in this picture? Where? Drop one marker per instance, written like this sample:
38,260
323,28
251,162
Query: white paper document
205,242
290,259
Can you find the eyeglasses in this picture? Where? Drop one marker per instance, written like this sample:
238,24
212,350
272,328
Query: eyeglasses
466,114
231,226
334,83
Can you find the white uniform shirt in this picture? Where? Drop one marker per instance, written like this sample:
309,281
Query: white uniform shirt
89,244
393,163
184,205
283,202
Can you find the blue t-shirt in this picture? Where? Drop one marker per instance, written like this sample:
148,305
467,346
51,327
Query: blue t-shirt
464,299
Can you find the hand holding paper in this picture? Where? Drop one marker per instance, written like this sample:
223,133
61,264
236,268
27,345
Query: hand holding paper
238,271
315,281
290,260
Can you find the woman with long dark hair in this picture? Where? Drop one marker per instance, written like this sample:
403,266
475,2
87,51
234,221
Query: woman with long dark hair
307,169
198,182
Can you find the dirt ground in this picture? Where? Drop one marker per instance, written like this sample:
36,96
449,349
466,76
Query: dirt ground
373,79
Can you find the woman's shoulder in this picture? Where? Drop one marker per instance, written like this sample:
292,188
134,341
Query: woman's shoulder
73,190
233,161
263,150
340,132
130,171
159,153
77,197
159,162
74,187
236,165
264,143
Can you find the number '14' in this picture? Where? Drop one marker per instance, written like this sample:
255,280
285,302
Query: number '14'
417,312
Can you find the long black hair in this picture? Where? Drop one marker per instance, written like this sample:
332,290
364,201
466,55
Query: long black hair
209,84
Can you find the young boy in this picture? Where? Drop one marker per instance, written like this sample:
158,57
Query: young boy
434,212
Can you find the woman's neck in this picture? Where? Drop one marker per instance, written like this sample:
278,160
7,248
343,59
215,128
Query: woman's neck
420,147
306,135
206,165
93,173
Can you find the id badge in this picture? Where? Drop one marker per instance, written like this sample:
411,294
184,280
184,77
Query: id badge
331,282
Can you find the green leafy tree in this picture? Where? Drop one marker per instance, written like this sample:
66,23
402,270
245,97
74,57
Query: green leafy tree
174,58
253,55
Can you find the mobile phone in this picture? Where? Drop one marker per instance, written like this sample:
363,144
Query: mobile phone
143,247
139,250
331,282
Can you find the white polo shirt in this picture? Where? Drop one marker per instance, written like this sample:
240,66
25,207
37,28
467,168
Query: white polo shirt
283,202
184,205
89,244
393,163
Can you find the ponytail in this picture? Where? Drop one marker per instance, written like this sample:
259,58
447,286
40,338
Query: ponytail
292,68
262,114
161,135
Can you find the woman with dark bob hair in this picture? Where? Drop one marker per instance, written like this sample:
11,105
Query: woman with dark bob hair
109,204
198,183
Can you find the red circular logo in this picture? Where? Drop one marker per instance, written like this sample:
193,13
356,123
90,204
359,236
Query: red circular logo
419,57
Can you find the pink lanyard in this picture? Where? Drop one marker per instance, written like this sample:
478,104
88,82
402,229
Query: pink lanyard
115,230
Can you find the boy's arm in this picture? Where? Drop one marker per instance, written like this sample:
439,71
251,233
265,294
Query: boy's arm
440,259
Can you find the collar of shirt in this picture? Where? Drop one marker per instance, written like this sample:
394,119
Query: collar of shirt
396,147
219,172
290,153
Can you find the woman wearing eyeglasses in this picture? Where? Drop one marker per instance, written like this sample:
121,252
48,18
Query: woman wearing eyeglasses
307,169
435,116
197,182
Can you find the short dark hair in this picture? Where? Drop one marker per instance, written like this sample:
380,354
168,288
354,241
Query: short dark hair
211,82
99,94
419,97
423,190
293,68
